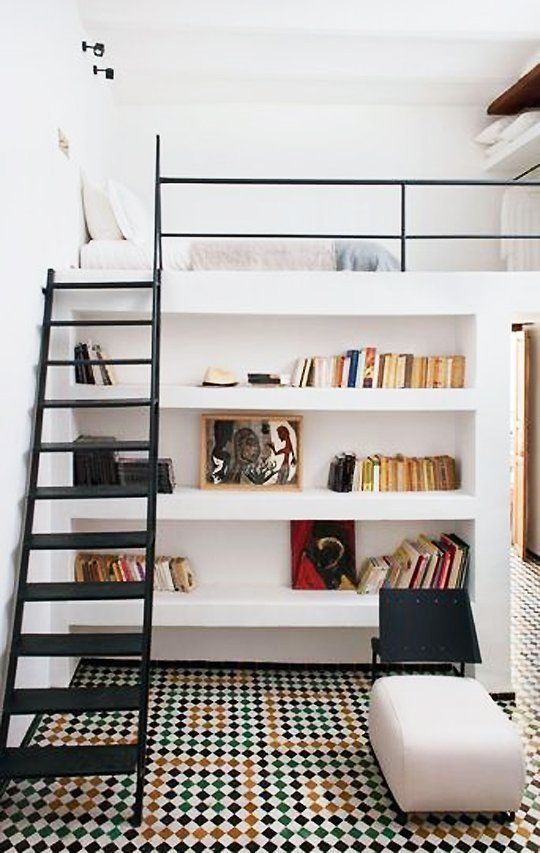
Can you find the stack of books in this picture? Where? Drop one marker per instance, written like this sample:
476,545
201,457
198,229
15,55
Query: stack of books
110,468
92,374
421,564
350,473
133,471
367,368
94,467
171,574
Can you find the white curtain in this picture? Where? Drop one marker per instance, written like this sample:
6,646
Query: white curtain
520,214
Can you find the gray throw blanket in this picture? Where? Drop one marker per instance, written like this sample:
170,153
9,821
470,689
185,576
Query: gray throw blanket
358,255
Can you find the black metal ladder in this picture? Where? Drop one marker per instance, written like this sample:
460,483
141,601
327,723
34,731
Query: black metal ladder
62,761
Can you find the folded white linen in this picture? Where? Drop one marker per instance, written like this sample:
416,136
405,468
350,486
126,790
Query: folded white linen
262,255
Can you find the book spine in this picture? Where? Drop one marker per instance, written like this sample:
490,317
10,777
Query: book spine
382,368
346,369
400,372
102,368
409,358
458,371
430,372
369,368
353,367
79,371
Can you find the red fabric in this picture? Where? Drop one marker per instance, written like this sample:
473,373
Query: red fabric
307,576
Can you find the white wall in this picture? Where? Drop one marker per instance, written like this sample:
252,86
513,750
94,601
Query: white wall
46,83
317,141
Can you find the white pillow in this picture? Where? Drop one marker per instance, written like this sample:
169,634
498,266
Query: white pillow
100,219
492,132
519,125
131,215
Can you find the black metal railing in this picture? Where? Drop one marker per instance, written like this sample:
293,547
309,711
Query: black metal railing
403,236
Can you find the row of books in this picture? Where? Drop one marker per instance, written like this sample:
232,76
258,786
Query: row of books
351,473
135,472
420,564
111,468
171,574
367,368
92,374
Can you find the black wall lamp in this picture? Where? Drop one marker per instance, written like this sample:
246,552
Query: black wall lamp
98,48
109,72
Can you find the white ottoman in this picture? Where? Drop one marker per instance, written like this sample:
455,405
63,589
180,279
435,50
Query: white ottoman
443,745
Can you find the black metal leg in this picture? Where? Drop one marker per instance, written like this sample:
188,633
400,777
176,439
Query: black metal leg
136,818
462,669
373,666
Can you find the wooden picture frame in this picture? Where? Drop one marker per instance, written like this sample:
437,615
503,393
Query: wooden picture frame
251,451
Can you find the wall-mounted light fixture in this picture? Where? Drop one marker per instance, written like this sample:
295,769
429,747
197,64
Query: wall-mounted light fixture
98,48
109,72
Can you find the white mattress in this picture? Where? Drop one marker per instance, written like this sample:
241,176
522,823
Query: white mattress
240,254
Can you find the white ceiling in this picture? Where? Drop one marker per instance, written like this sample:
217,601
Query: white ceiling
324,51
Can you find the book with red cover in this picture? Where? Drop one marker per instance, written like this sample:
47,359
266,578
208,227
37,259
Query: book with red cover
444,573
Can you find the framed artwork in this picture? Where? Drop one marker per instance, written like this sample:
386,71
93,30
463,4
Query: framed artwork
323,555
251,451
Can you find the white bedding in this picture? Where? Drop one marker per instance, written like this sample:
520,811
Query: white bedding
203,254
125,255
240,254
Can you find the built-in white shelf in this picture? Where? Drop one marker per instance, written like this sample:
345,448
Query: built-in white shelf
518,155
240,607
246,398
193,504
238,540
300,294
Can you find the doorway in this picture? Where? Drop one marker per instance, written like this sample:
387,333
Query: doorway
520,436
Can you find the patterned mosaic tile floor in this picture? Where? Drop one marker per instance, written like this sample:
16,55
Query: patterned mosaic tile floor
262,760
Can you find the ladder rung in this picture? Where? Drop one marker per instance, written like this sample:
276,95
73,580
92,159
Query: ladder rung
87,541
97,444
51,493
35,762
74,591
69,323
65,362
78,645
102,285
73,699
107,403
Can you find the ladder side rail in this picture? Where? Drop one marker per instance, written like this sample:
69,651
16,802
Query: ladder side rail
35,442
152,499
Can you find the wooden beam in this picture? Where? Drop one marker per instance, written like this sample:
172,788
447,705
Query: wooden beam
523,95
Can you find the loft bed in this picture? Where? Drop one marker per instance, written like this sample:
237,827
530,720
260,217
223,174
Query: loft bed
186,251
264,321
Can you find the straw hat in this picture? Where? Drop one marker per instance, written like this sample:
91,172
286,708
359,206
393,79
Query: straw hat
215,376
